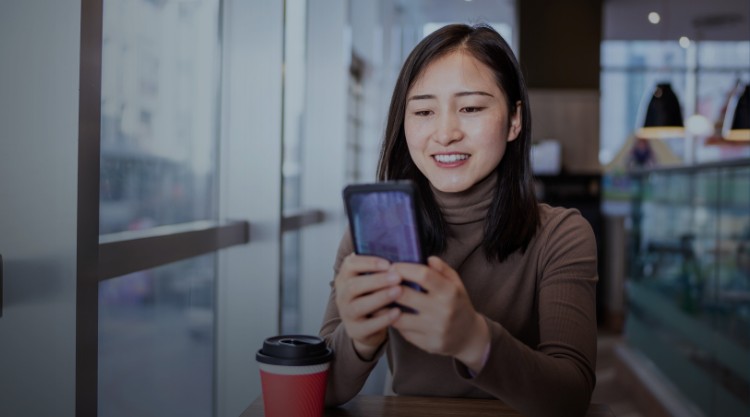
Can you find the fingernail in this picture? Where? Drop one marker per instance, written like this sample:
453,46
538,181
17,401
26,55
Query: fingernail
394,291
383,264
393,277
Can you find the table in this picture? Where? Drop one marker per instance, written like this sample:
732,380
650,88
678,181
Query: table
401,406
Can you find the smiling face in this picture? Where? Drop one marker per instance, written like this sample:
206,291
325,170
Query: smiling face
457,122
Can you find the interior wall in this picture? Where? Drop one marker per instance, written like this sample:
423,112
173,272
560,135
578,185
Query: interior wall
559,43
39,90
324,153
248,284
559,54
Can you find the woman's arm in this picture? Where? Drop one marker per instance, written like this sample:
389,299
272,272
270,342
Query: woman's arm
557,378
348,371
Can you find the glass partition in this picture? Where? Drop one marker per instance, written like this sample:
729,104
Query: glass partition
161,63
156,341
689,281
159,111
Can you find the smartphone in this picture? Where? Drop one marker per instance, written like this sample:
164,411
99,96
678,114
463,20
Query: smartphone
383,221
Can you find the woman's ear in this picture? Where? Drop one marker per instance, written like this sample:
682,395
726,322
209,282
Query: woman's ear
516,122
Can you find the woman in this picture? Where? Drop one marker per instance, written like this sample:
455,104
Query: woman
509,307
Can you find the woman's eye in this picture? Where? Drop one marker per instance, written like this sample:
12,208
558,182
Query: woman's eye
422,113
472,109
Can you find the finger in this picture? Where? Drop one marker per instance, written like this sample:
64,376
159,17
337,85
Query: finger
366,284
416,300
352,267
359,264
411,323
442,267
361,285
383,311
422,275
367,305
378,322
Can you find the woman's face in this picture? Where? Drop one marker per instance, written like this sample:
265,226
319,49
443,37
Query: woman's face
457,122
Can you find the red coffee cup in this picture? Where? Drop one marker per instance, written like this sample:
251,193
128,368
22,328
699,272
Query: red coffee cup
293,373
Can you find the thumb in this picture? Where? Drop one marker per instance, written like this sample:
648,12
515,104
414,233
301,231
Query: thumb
436,263
442,267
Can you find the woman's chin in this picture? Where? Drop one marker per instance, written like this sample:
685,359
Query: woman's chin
454,186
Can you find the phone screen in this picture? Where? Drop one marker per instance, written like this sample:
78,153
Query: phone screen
384,225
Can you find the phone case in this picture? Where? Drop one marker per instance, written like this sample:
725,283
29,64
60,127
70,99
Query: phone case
383,220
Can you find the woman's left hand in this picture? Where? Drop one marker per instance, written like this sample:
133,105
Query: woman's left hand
446,322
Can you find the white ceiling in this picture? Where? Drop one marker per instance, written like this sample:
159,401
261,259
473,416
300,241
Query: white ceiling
622,19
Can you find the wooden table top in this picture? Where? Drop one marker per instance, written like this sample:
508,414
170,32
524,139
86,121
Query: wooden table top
400,406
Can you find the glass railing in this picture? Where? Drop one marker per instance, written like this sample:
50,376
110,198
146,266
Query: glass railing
689,281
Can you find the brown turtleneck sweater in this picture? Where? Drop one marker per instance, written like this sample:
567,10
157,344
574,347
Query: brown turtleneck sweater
539,305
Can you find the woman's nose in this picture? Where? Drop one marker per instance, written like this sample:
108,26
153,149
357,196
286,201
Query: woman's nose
448,130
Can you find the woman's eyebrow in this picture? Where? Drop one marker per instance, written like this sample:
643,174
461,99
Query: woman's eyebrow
460,94
472,93
421,97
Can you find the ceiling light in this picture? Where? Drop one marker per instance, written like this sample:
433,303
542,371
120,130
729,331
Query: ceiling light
699,125
662,118
684,42
737,121
654,17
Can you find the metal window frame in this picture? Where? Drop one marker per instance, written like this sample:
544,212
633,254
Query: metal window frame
301,218
123,253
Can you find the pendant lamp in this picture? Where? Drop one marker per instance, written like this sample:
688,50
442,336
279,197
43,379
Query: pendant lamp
737,121
663,116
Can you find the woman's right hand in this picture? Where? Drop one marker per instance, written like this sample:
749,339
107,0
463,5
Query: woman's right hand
363,301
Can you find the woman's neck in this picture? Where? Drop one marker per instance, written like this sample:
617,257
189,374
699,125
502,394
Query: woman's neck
467,206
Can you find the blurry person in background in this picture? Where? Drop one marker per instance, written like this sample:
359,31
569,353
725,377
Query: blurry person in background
509,307
642,155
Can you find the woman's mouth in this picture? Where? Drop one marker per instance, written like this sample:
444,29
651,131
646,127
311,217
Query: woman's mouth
450,159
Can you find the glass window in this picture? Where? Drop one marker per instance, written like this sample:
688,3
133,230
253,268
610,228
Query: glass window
702,76
156,341
160,74
159,125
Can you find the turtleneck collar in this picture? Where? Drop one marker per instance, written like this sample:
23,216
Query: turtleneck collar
467,206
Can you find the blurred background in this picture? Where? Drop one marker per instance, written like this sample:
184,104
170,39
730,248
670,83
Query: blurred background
172,174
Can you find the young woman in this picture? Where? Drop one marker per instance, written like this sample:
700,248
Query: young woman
509,307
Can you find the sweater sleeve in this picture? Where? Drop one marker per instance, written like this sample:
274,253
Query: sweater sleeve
557,377
348,372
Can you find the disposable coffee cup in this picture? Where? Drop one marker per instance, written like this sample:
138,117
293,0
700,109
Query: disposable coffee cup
293,373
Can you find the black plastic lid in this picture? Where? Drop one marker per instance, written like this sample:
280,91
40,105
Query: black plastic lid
294,350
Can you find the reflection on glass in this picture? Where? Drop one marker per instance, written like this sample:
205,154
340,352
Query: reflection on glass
629,68
690,283
160,71
156,341
290,295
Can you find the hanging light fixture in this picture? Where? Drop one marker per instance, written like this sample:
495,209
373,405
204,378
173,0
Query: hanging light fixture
662,118
737,119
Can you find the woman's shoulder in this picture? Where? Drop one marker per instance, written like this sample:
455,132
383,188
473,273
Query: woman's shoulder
565,240
562,221
554,216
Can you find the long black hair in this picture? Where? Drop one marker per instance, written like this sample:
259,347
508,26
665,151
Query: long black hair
513,216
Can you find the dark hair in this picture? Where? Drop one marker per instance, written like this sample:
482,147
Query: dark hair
513,215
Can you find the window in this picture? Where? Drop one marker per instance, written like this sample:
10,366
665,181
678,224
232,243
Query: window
147,301
701,75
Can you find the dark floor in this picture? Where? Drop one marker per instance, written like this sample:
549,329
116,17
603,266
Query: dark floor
610,387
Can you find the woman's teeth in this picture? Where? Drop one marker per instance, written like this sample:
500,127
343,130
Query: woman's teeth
446,159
